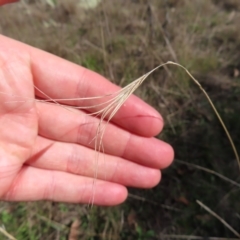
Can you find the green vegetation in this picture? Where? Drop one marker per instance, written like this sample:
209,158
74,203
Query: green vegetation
123,40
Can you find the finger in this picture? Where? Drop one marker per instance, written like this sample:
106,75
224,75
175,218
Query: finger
59,124
83,161
59,78
33,184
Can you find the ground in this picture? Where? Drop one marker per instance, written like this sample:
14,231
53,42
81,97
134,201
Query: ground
123,40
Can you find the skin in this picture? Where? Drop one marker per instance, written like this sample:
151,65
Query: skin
47,152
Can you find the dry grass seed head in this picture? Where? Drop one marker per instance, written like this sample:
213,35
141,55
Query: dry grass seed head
110,107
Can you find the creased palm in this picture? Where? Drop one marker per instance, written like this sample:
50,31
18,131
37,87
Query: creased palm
47,152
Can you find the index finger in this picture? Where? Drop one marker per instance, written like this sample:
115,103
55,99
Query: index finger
59,78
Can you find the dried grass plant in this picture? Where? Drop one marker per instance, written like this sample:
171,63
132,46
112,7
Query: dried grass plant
117,99
110,107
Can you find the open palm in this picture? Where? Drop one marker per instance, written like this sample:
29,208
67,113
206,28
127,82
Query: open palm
47,152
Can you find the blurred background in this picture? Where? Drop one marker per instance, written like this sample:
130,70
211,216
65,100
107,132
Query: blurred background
123,40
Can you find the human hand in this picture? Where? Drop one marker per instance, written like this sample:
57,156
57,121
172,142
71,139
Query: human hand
46,152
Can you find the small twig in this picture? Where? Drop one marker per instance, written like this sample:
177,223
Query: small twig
209,171
219,218
4,232
53,224
153,202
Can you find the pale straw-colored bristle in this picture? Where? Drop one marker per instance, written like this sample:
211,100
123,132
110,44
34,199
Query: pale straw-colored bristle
110,107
